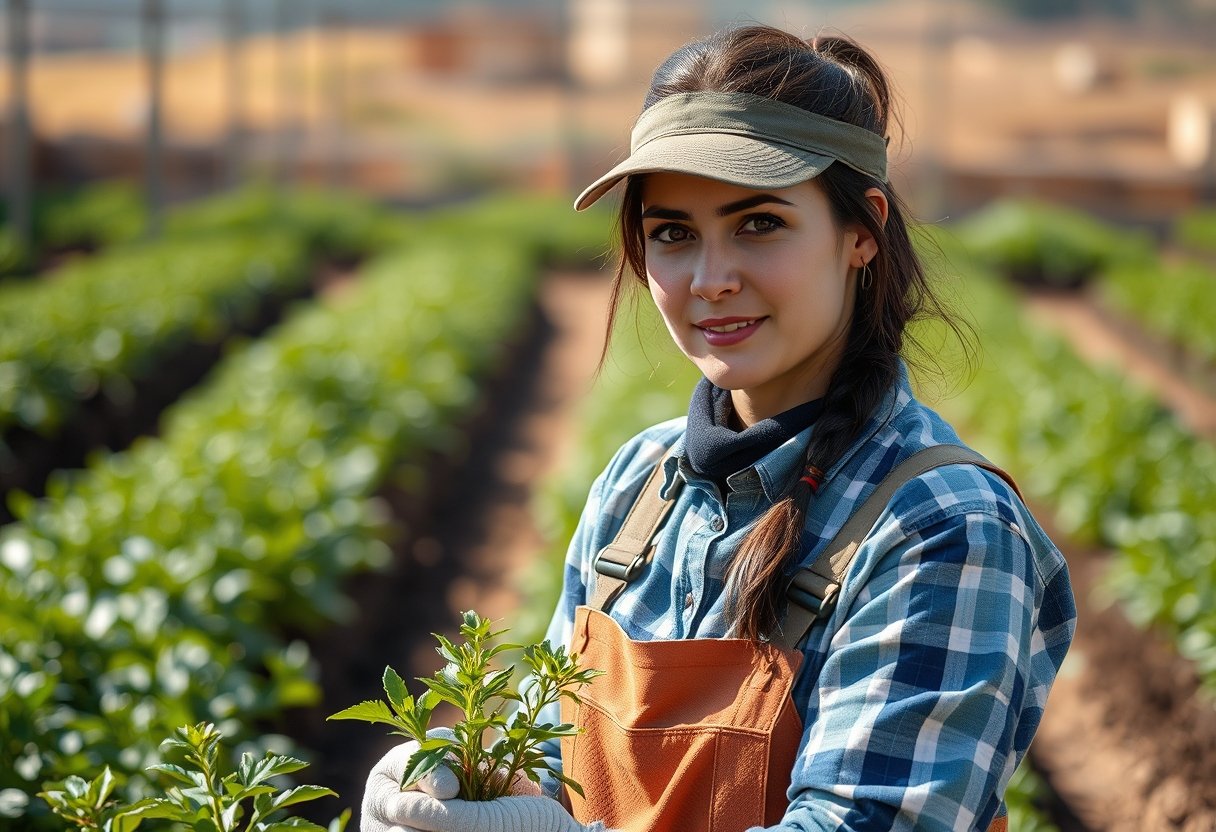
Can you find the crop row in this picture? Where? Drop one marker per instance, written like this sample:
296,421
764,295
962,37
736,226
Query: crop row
101,323
1196,230
1116,467
83,219
1049,245
155,588
1175,302
104,321
112,214
646,380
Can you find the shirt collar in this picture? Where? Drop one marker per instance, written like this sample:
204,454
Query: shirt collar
775,470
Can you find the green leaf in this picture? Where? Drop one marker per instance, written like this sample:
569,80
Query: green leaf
180,774
370,711
446,649
300,794
394,687
422,763
238,792
282,764
76,787
289,825
573,784
102,785
338,824
253,771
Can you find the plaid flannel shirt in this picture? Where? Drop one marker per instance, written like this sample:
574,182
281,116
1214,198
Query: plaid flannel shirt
920,693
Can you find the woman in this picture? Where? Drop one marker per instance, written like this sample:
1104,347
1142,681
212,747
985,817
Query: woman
782,650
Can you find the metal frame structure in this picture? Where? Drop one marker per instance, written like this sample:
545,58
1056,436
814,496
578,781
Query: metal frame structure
153,17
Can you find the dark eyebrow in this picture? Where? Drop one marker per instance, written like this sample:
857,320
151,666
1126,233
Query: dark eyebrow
749,202
657,212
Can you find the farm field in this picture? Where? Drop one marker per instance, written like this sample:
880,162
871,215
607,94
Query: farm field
365,473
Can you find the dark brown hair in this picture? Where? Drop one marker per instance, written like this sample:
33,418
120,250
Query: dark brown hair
835,77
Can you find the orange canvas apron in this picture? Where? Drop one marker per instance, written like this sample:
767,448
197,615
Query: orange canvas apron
698,734
695,734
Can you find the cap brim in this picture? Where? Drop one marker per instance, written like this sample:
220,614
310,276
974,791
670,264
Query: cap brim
726,157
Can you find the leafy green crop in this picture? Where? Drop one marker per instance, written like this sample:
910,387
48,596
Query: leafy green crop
101,323
1116,467
99,215
335,224
1041,243
1197,230
1177,303
470,682
157,587
201,797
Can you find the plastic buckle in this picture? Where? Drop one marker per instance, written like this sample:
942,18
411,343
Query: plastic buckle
618,570
817,600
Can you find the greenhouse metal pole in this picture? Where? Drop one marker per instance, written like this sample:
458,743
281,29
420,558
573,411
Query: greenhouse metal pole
336,41
235,79
284,123
18,150
154,55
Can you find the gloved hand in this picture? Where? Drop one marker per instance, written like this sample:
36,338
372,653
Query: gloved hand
431,804
383,789
418,810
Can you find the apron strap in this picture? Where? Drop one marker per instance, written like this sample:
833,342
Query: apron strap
627,556
814,589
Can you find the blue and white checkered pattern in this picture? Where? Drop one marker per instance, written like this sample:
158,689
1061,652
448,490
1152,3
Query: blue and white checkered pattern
921,692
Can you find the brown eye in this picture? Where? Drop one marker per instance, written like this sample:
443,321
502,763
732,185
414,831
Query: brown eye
670,233
762,224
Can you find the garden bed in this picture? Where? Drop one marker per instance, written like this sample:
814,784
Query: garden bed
1128,740
463,544
104,421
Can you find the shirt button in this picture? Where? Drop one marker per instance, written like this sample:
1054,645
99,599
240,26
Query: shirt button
688,601
717,524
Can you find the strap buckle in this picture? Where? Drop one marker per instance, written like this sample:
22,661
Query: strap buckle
814,593
618,568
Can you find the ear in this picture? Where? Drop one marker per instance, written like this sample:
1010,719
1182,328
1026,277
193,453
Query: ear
866,246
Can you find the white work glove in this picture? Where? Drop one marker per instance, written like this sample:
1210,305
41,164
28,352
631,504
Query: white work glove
430,805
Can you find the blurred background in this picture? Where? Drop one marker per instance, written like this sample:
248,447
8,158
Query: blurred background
1103,103
299,342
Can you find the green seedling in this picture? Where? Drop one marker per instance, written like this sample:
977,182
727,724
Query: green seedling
470,682
200,796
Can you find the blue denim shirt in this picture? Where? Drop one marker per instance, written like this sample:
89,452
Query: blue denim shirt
920,693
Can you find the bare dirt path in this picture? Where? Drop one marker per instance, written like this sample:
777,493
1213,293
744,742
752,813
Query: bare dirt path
470,543
1128,741
1101,340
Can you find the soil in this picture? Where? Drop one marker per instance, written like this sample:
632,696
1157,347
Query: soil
1102,337
1128,739
467,544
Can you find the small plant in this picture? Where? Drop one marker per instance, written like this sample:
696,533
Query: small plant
200,797
481,692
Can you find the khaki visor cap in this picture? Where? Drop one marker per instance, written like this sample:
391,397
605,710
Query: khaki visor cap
742,139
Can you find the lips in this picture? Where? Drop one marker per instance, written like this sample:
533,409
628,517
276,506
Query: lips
724,332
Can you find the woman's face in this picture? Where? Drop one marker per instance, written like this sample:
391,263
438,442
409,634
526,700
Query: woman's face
756,287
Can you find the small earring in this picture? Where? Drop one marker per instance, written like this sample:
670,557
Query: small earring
867,278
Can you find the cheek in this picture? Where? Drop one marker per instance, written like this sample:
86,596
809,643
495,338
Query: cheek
661,290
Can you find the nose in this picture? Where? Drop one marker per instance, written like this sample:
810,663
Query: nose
716,273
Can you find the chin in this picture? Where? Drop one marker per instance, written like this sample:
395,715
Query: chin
729,378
